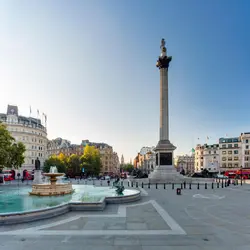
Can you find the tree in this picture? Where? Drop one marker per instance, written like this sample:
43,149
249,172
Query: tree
54,161
6,141
16,155
74,163
63,158
91,160
128,168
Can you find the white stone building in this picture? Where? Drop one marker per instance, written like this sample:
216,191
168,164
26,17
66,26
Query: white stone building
245,150
30,132
207,157
185,162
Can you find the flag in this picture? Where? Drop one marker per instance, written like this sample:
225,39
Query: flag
30,109
38,112
198,138
45,116
207,138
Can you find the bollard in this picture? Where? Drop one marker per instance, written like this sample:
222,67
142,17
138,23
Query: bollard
178,191
205,185
128,183
212,185
132,184
190,186
122,183
101,183
149,185
218,184
222,184
184,185
137,184
198,186
156,186
142,185
172,185
181,186
164,186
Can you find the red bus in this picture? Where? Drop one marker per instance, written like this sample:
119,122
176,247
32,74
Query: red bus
232,174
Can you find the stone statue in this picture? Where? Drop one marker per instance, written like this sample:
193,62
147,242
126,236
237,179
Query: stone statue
163,48
163,43
37,164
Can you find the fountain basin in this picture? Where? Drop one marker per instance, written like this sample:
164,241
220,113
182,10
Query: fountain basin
51,190
17,206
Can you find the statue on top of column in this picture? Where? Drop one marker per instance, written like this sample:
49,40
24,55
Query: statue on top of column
163,48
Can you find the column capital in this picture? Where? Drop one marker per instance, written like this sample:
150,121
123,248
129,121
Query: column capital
163,62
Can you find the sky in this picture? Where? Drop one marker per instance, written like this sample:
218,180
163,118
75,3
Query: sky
91,67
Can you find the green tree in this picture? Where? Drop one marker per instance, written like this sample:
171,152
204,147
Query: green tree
74,163
91,160
128,168
54,161
16,155
6,141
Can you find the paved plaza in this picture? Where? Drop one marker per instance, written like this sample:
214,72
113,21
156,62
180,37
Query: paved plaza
204,219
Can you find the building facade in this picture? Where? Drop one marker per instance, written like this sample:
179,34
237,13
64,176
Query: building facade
186,163
245,149
230,153
30,132
207,157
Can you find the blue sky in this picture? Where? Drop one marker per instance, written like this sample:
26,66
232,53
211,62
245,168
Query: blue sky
90,66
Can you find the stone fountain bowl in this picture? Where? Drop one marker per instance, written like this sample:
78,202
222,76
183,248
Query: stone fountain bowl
53,174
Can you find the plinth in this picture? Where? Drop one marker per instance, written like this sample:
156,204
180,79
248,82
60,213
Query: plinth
38,177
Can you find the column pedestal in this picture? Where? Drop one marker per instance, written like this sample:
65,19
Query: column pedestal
38,177
165,172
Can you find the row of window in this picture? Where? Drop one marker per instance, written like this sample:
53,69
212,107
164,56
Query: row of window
36,147
230,165
230,152
25,131
230,146
236,158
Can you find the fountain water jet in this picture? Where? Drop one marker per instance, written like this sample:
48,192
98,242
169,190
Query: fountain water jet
52,188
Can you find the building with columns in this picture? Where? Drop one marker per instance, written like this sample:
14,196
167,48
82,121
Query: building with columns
30,132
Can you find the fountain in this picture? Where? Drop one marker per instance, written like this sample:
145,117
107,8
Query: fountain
53,188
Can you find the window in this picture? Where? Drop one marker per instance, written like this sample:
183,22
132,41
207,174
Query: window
32,161
236,165
236,145
246,158
230,145
236,158
229,165
224,158
224,152
230,158
214,151
246,140
230,152
214,157
209,152
224,165
224,146
247,147
236,152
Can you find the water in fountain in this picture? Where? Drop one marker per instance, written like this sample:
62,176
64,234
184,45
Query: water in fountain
53,170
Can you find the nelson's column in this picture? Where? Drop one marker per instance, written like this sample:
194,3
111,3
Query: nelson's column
164,171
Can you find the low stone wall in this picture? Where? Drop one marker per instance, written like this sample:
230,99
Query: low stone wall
15,218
